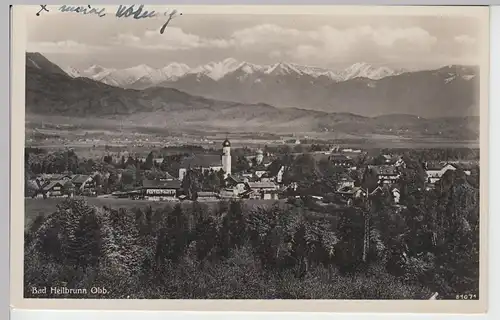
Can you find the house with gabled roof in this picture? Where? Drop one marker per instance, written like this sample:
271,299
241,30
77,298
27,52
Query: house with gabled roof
341,161
263,190
207,196
53,188
56,176
387,174
84,184
351,195
167,177
236,184
436,170
202,162
157,190
345,181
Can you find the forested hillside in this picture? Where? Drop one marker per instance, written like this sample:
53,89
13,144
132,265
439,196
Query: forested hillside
287,251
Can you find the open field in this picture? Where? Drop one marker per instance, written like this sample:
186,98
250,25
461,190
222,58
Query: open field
93,135
36,207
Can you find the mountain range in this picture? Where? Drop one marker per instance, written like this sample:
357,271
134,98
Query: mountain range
361,88
51,91
143,76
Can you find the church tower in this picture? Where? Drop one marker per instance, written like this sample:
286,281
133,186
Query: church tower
226,158
259,157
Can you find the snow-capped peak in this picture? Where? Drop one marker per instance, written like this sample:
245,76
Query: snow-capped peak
282,68
72,72
96,72
249,68
175,70
125,77
365,70
146,76
94,69
316,72
142,68
217,70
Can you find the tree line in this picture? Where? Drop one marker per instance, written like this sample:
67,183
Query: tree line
286,251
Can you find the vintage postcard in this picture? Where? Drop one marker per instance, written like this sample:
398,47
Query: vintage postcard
250,158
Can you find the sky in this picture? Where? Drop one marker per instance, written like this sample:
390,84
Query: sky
329,41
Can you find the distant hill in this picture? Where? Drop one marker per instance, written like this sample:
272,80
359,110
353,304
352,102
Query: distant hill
449,91
360,88
50,91
36,60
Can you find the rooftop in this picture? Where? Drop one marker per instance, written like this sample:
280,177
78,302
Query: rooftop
169,184
52,184
262,184
349,190
339,157
385,170
80,178
202,161
207,194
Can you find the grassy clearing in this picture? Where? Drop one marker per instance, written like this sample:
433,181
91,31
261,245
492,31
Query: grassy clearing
36,207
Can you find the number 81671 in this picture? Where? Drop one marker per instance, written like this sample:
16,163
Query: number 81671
469,296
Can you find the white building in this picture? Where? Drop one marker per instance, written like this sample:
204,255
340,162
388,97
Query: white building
436,170
207,162
226,158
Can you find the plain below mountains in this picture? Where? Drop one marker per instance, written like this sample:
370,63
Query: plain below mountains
51,91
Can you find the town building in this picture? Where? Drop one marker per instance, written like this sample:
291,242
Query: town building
231,193
165,176
238,183
273,175
259,159
55,177
436,170
345,181
226,157
208,162
341,161
84,184
396,195
263,190
387,174
53,188
207,196
352,195
259,170
388,159
203,162
157,190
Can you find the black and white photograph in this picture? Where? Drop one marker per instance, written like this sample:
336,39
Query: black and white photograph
333,155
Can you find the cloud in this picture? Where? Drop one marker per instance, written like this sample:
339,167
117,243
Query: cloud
465,39
265,34
327,43
324,45
171,40
329,40
125,38
66,46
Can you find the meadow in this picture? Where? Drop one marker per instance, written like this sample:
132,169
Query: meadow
43,207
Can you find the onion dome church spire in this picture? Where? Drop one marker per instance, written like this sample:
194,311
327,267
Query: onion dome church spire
226,157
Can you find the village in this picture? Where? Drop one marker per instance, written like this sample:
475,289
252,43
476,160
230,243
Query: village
265,177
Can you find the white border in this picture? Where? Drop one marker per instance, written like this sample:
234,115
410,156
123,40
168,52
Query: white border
493,259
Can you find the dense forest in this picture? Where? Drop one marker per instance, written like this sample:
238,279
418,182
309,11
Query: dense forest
282,251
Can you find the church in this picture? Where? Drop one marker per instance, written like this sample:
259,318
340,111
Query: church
207,162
